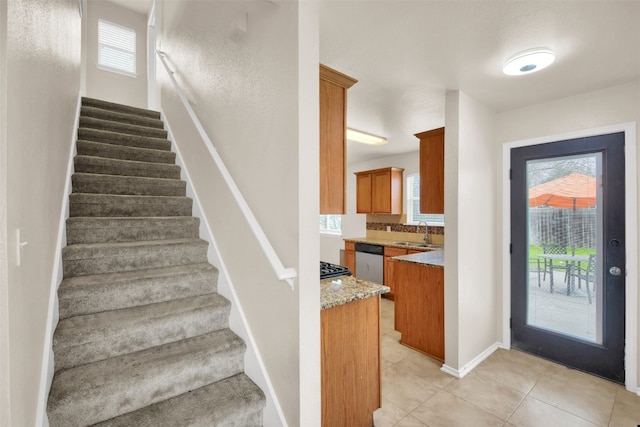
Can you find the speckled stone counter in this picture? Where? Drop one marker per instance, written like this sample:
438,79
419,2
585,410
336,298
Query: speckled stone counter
434,258
343,289
392,243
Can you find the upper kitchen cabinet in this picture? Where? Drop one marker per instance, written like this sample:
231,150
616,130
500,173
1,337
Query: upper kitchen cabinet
431,171
379,191
333,123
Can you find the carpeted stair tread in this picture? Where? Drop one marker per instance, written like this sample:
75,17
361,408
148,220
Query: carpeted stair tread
106,105
98,258
99,391
123,139
126,229
96,293
89,338
127,185
101,165
90,122
119,152
232,402
82,204
116,116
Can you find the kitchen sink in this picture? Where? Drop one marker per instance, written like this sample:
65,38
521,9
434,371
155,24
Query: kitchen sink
419,245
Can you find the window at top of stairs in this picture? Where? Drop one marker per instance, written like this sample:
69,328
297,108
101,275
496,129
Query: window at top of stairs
116,48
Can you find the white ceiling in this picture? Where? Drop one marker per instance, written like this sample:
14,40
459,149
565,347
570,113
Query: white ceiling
407,54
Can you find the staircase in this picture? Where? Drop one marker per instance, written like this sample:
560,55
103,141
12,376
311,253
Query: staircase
143,337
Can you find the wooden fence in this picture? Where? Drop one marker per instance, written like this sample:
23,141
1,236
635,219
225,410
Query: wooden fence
565,227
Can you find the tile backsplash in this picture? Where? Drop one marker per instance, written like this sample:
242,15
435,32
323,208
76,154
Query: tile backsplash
393,230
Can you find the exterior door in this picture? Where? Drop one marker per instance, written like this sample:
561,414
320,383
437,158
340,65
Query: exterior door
568,253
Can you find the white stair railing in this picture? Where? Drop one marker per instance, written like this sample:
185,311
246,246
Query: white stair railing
288,274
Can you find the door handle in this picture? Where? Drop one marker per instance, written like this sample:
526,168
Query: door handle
615,271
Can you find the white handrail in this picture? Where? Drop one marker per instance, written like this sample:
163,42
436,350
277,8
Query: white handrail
288,274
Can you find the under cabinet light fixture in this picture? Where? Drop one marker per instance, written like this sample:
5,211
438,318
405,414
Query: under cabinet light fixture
528,61
365,138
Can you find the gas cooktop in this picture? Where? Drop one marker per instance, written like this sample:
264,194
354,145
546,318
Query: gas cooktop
328,270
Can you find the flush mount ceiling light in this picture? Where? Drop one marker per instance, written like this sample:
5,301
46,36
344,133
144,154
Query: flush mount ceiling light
365,138
528,61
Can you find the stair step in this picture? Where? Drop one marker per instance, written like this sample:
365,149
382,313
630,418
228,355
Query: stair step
234,401
81,204
116,138
131,185
113,291
89,338
106,105
110,151
127,229
99,258
116,116
99,391
90,122
101,165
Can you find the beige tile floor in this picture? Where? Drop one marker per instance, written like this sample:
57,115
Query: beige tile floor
508,389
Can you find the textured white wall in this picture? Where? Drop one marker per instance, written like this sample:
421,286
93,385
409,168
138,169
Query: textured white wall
42,84
611,106
107,85
471,248
247,94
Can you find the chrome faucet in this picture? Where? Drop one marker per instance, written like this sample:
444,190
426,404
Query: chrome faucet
426,232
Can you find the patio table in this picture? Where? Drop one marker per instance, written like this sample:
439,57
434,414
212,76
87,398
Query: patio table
572,259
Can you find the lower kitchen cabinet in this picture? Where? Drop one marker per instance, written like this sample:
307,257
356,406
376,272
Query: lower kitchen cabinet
350,256
390,252
419,306
350,363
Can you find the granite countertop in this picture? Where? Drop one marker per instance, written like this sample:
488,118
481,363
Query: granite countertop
343,289
392,243
433,258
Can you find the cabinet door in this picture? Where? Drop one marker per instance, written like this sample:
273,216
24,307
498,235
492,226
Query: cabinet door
332,148
350,261
390,252
381,191
363,193
432,171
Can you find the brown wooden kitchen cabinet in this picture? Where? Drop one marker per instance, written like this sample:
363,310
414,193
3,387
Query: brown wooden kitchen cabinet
419,306
333,123
350,256
379,191
350,363
390,252
431,171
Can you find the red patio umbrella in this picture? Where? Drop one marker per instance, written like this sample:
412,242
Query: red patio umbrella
570,191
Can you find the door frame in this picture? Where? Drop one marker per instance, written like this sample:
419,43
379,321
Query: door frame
631,238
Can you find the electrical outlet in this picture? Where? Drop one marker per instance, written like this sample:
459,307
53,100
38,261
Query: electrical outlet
388,228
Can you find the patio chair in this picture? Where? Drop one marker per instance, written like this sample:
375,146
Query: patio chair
549,265
588,274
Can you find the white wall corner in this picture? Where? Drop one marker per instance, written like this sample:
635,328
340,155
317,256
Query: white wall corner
462,372
47,370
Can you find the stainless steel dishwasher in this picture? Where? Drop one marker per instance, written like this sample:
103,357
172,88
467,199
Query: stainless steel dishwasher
370,262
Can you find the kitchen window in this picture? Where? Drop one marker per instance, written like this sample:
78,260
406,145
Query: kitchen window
331,224
116,48
413,204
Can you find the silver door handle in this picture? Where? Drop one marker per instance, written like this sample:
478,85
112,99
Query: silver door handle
615,271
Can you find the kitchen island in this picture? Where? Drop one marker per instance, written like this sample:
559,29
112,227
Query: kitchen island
418,282
350,346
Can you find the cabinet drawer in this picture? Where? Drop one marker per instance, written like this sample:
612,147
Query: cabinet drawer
349,246
390,251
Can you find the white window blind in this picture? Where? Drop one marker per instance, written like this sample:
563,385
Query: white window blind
414,216
116,47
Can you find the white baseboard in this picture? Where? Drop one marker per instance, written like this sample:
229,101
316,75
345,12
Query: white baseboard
47,370
460,373
254,365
